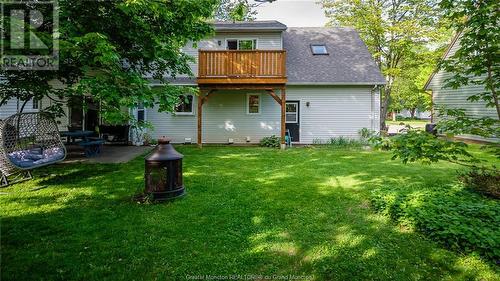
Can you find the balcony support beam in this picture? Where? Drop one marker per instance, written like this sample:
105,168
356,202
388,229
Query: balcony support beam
275,97
202,98
283,120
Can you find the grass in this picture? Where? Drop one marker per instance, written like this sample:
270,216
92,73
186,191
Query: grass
249,211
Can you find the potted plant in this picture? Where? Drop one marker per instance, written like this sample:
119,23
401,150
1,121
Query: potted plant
147,139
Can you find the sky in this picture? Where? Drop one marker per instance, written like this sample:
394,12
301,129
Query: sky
293,13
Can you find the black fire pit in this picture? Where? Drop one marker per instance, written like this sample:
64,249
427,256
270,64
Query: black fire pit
163,173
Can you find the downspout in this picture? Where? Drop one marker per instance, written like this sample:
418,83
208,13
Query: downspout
372,115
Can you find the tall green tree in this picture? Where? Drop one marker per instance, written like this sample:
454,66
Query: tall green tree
110,49
408,90
392,30
476,62
236,10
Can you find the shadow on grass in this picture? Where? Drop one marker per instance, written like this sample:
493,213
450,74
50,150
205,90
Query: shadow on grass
248,211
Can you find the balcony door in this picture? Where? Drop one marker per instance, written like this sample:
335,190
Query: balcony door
241,62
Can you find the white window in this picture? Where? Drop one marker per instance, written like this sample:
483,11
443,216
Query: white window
319,49
36,103
291,113
253,104
185,107
241,44
141,113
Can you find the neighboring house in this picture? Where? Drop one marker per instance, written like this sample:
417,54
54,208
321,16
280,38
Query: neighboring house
260,78
418,114
457,98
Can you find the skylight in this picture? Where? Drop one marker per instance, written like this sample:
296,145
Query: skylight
319,49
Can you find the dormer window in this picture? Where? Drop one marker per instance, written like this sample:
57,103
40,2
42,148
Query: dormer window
319,49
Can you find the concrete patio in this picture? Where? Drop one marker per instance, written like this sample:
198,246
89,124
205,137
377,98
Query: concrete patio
109,154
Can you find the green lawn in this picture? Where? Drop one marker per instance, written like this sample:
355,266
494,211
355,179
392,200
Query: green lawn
256,211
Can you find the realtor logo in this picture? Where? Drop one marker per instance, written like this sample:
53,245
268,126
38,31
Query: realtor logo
29,35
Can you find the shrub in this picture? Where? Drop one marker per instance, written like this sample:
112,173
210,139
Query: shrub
484,181
402,118
343,142
272,141
450,215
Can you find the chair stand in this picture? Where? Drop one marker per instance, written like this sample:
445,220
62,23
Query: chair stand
15,178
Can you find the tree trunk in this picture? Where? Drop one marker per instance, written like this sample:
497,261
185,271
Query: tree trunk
412,112
493,91
384,106
24,104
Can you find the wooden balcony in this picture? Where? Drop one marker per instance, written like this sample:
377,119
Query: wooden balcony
241,67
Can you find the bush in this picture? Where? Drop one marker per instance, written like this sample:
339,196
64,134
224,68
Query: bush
486,182
272,141
451,215
343,142
402,118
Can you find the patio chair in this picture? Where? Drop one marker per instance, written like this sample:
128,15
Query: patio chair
28,141
288,138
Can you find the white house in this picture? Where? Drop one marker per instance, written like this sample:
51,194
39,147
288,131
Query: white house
261,78
457,98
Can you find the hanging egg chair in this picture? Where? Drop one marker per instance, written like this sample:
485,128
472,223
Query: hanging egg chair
28,141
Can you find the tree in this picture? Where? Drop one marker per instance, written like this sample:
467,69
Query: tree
392,29
107,48
476,62
408,92
236,10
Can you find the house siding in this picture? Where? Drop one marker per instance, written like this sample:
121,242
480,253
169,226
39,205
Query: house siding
63,121
13,106
176,127
225,116
457,98
333,112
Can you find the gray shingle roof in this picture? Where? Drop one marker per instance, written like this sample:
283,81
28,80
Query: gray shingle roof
349,61
270,25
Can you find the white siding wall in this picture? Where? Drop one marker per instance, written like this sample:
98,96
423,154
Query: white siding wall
457,98
225,116
176,127
333,112
8,109
13,106
265,41
62,122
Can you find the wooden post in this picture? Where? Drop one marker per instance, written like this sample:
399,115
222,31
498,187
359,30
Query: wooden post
200,109
283,111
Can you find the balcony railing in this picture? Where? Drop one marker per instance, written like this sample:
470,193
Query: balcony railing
232,66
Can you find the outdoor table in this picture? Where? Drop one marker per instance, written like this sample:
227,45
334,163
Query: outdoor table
72,135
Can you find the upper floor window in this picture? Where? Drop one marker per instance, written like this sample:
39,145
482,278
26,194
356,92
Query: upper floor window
253,104
185,105
241,44
319,49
